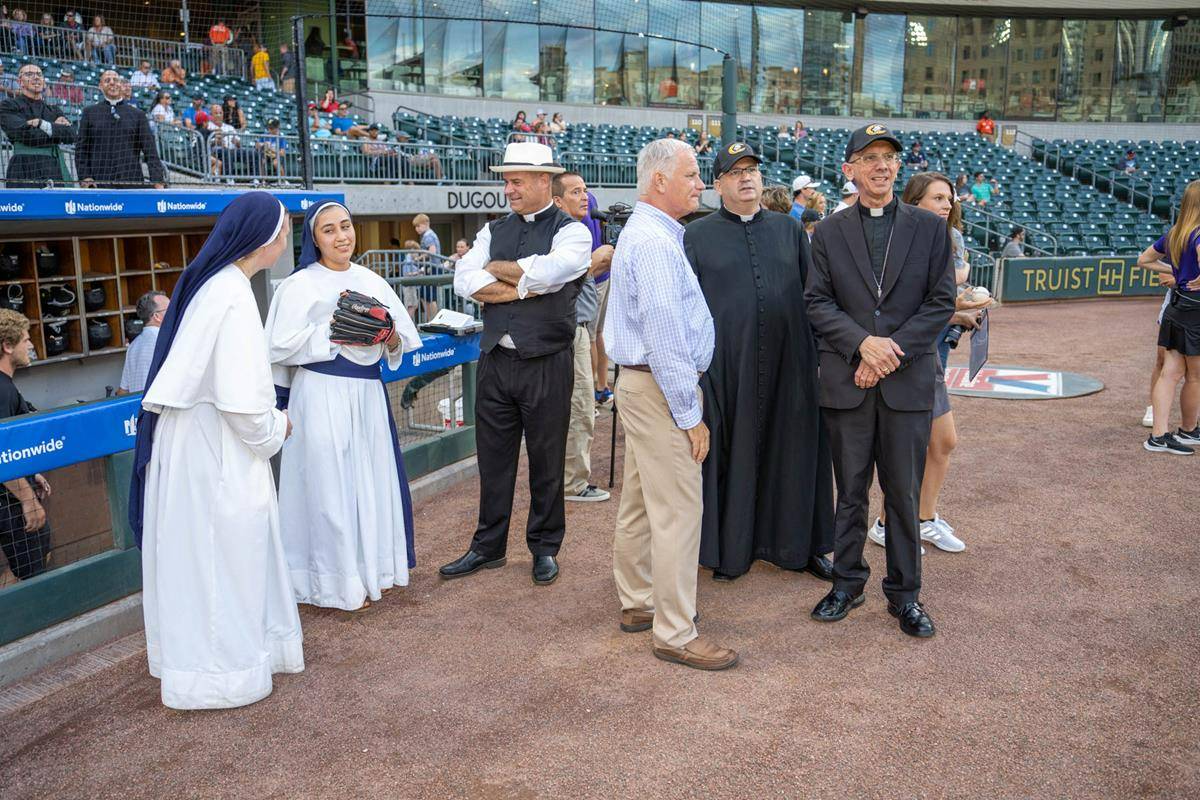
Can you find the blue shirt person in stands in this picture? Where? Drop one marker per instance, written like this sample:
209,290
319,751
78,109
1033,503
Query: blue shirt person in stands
916,159
345,125
803,188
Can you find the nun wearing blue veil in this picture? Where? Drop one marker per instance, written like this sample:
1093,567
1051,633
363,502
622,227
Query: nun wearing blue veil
218,606
344,503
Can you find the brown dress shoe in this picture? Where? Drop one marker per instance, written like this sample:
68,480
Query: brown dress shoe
699,653
634,621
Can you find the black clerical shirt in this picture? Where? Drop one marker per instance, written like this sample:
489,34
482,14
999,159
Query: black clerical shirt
877,230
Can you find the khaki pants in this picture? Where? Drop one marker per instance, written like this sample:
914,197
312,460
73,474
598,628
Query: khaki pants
583,418
656,548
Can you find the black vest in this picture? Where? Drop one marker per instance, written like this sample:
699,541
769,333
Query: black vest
541,324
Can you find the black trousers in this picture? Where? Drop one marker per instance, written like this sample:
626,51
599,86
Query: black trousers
862,439
515,396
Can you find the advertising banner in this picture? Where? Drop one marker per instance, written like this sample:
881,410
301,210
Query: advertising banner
19,204
1074,277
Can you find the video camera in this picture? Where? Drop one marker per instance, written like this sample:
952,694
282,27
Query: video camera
614,219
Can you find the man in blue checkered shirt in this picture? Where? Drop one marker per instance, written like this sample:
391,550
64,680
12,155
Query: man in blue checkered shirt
151,308
659,331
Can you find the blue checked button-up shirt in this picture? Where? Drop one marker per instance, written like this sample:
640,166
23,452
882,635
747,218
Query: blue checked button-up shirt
656,312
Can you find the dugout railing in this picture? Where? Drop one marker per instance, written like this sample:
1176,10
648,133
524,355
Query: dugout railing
85,453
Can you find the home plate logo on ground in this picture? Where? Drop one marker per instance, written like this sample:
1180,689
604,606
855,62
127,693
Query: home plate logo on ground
1019,383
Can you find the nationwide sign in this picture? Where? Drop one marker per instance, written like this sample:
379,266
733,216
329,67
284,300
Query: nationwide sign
1076,277
1019,383
19,204
40,442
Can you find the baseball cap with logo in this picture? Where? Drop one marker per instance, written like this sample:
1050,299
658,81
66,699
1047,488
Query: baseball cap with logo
729,155
867,134
803,182
848,188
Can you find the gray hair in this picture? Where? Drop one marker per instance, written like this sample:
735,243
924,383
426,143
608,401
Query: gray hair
658,156
147,307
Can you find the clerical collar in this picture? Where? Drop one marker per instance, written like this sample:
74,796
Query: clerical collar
116,102
539,215
886,211
725,212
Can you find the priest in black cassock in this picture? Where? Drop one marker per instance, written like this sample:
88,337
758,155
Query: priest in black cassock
36,129
768,479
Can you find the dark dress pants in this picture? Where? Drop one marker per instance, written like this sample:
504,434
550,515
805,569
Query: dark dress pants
515,396
864,438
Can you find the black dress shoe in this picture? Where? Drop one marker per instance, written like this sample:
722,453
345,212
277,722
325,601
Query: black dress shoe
545,570
724,577
913,619
470,563
836,605
821,567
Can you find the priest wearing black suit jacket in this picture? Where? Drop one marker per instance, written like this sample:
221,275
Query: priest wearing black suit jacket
880,291
114,137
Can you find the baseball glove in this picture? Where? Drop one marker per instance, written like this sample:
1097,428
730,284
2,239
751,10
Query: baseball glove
360,320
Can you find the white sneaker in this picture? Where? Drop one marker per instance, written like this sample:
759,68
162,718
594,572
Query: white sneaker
1148,418
877,534
939,534
589,494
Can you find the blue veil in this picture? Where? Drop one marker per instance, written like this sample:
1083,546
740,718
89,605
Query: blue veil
246,224
309,253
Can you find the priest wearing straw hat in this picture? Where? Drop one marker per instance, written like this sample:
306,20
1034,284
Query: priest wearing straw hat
526,268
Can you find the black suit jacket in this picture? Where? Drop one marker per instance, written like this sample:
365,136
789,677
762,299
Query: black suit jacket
845,305
110,151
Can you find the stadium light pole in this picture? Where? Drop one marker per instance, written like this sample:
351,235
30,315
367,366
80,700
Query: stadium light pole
728,100
306,163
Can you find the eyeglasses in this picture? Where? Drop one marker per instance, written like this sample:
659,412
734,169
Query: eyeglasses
736,174
874,159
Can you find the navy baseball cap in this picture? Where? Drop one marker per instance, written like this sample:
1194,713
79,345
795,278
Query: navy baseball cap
729,155
866,135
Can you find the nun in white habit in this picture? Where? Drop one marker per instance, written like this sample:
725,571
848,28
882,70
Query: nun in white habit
343,492
219,614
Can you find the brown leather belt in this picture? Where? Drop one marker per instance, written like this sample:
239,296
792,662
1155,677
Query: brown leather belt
638,367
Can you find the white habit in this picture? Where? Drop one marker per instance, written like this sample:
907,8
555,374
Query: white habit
339,495
220,618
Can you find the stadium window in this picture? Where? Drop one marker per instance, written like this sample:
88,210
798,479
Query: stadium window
510,60
730,28
1183,76
828,63
928,80
395,48
879,80
454,57
674,67
1085,77
1035,40
780,42
1140,76
565,71
983,87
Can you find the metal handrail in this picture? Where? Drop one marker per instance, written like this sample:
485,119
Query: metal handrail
71,44
991,216
425,128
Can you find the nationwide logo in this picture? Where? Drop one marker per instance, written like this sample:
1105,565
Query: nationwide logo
305,204
41,448
131,425
12,208
164,206
420,356
72,207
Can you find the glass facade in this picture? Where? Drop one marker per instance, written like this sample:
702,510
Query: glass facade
790,60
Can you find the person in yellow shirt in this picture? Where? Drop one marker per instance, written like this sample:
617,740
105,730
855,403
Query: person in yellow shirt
260,66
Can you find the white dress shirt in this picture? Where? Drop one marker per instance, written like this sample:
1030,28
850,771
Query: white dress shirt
569,257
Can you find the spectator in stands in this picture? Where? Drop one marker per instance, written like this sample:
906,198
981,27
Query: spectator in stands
36,129
10,84
24,532
194,116
233,113
982,191
962,188
314,44
174,74
519,125
151,308
986,126
318,127
803,188
818,204
382,157
126,89
328,103
557,123
703,145
849,196
345,125
916,160
799,131
1015,248
223,143
220,37
1178,254
143,77
287,69
162,113
114,139
99,42
430,243
66,90
411,265
419,156
260,68
22,32
49,39
777,198
73,36
272,149
461,248
1128,164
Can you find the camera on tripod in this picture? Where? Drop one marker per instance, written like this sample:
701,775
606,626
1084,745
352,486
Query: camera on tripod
614,219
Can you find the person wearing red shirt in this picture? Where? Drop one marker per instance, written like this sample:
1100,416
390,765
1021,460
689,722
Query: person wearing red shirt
220,37
986,127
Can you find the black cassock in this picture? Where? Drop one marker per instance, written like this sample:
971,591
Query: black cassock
768,478
36,159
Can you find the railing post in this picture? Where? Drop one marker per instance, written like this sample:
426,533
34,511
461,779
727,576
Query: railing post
306,164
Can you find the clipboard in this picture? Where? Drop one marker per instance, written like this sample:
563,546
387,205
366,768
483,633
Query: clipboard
979,345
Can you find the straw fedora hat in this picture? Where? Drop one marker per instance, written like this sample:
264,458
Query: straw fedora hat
528,157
